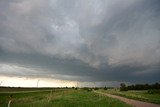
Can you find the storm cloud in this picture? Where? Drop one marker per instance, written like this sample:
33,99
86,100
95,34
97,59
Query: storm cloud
84,40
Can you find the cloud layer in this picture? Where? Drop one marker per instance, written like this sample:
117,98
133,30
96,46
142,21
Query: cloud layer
86,40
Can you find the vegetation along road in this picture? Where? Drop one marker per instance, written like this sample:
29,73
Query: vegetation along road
59,98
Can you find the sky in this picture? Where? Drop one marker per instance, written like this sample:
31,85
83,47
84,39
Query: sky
84,41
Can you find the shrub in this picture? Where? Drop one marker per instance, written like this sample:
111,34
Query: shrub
153,91
105,88
123,87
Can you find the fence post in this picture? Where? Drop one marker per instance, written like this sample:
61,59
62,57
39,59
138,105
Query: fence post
10,100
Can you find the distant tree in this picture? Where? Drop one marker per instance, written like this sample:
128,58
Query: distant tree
96,88
105,88
146,86
123,87
143,87
75,88
156,86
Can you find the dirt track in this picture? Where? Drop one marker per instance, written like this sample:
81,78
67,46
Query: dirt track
134,103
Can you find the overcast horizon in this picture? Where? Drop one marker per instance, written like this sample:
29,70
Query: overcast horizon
79,40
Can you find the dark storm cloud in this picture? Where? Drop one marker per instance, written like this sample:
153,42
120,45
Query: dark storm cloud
90,40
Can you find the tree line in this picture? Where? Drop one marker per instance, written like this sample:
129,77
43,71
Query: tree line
123,86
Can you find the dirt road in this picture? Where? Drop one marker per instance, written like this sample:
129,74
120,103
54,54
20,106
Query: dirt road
134,103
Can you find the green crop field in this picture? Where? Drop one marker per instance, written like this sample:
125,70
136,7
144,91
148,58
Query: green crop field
57,98
137,95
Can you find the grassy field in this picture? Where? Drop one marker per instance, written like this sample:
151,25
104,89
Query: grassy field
58,98
138,95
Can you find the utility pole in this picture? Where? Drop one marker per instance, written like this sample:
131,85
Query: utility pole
37,83
1,83
106,84
77,84
94,84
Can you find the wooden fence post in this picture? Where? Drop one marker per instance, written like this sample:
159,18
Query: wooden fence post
10,100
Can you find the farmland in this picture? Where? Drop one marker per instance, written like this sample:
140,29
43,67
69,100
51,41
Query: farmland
56,98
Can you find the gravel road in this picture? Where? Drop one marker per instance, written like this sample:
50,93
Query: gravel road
134,103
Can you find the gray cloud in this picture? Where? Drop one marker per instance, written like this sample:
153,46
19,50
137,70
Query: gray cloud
87,40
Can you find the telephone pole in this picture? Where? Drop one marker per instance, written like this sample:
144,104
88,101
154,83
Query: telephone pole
37,83
1,83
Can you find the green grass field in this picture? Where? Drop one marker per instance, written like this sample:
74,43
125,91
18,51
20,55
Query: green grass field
137,95
58,98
